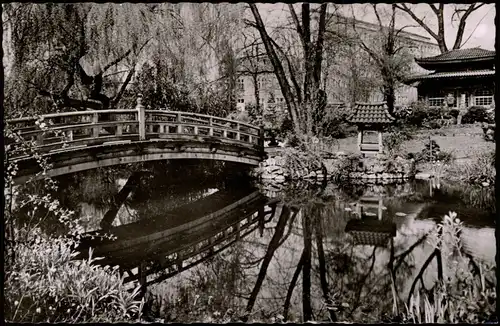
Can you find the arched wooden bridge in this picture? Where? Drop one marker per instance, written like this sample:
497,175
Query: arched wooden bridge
76,141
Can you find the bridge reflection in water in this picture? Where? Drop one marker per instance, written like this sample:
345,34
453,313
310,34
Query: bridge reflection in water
155,249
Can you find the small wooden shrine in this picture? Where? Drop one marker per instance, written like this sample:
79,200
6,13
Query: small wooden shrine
371,117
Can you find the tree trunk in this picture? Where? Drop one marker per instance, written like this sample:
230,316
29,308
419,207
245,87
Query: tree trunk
306,272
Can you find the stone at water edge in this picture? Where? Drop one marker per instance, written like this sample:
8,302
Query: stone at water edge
271,161
311,175
423,175
279,178
267,176
272,168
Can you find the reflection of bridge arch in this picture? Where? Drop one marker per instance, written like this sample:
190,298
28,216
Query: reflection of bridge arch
174,249
77,141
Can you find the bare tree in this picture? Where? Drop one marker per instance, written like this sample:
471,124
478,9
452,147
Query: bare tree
300,101
460,13
387,53
251,64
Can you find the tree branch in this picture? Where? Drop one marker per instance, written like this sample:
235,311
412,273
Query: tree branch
291,71
297,23
406,9
319,45
463,22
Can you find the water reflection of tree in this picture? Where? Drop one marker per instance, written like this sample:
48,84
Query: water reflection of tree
304,264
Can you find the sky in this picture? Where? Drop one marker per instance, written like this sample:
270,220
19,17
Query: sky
480,25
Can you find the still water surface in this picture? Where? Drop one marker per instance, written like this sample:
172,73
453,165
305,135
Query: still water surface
297,252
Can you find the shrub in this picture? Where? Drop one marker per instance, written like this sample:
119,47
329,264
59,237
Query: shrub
346,165
44,284
482,169
476,114
334,123
396,138
421,114
432,153
465,296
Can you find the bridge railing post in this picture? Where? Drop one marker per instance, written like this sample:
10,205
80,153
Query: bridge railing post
261,137
179,125
141,117
95,120
211,130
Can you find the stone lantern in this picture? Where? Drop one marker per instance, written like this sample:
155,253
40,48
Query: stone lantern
371,117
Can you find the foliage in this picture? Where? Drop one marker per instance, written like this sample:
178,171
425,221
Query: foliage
347,164
466,296
477,114
396,138
85,55
420,114
42,281
334,123
254,114
481,169
44,284
432,153
301,158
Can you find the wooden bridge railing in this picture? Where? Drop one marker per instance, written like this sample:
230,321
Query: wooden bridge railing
63,131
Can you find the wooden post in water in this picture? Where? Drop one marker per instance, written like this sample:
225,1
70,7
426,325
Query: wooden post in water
141,116
380,144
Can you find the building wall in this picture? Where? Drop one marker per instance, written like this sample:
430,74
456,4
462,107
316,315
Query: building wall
349,64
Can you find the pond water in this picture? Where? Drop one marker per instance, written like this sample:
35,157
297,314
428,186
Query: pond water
211,247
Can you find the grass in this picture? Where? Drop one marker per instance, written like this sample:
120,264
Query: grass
464,141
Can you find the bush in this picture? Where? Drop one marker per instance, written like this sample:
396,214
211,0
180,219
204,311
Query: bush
396,138
432,153
482,169
476,114
421,114
334,123
44,284
466,296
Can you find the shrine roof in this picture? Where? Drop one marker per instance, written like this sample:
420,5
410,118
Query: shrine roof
371,113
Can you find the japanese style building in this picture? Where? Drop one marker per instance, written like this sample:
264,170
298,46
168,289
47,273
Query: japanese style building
460,79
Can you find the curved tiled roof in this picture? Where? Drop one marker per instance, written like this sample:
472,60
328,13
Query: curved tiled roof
455,56
371,113
460,54
453,74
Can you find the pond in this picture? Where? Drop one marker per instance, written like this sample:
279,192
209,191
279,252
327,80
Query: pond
211,249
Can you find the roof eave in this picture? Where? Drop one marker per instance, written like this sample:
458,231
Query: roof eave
428,64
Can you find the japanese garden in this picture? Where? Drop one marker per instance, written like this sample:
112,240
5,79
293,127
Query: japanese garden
249,162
